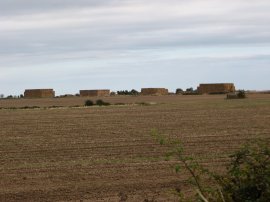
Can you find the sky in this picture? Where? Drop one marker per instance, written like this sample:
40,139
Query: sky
129,44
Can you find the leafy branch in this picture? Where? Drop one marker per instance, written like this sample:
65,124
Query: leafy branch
247,177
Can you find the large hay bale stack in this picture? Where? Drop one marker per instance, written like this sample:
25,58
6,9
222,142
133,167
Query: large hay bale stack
95,93
39,93
154,91
216,88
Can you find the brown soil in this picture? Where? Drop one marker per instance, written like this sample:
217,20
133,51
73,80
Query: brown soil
107,153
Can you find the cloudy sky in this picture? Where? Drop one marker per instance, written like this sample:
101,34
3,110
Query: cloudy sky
70,45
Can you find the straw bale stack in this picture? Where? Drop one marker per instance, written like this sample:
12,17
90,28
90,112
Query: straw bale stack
216,88
39,93
95,93
154,91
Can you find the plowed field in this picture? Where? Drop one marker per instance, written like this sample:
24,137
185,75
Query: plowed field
107,153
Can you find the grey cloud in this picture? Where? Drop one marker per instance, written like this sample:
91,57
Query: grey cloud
34,33
24,7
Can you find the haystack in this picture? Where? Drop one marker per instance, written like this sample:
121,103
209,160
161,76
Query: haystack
95,93
216,88
39,93
154,91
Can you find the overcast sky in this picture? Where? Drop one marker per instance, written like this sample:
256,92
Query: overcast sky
70,45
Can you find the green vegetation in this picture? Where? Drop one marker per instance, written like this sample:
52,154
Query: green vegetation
11,96
98,102
241,94
126,92
25,107
120,103
88,103
190,91
179,91
247,177
102,103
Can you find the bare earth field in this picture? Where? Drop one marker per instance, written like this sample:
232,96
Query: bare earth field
107,153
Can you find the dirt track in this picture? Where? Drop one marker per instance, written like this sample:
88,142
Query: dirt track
106,153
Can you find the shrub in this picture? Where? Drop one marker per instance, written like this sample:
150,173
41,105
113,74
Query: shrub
88,103
112,93
126,92
241,94
10,97
189,89
134,92
122,92
54,106
30,107
247,177
179,91
102,103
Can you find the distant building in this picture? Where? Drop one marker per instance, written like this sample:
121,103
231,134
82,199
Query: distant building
216,88
154,91
39,93
94,93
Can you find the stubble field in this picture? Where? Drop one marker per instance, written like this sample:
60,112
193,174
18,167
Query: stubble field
107,153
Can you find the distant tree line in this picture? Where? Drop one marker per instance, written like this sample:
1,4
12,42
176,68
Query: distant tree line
126,92
188,91
2,96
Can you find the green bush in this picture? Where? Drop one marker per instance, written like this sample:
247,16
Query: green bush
134,92
88,103
126,92
30,107
179,91
10,97
102,103
241,94
113,93
247,178
189,89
